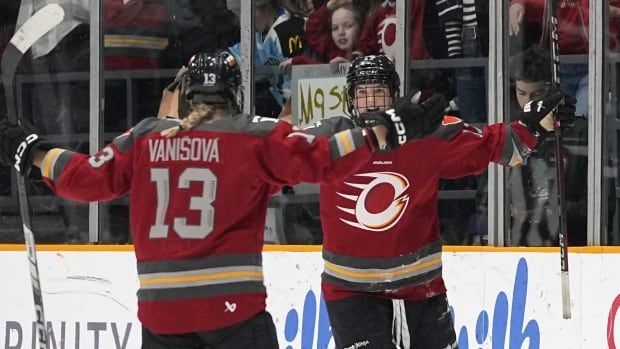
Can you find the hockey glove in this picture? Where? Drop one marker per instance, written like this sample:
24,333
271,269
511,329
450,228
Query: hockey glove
566,112
413,121
16,146
537,115
178,80
370,119
408,121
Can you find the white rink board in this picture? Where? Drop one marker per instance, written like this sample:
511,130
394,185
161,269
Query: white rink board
500,300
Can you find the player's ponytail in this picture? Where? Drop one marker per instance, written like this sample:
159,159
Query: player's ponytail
200,112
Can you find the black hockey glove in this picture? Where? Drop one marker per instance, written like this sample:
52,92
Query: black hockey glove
434,109
408,121
178,80
538,117
566,112
16,146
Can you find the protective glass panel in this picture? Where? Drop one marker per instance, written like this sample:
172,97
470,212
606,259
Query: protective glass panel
303,50
532,209
51,94
145,44
449,51
610,233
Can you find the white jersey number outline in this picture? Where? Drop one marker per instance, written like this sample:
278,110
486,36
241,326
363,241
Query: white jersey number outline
106,154
161,177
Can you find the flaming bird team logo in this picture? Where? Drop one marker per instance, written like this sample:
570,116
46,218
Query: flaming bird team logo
387,35
379,204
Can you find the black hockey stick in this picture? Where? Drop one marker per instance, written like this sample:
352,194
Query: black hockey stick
559,162
32,30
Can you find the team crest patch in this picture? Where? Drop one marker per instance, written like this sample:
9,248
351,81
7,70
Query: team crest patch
374,201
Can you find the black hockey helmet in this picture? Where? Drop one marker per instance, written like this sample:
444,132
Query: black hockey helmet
372,69
214,78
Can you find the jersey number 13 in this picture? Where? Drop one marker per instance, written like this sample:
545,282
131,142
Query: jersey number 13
161,177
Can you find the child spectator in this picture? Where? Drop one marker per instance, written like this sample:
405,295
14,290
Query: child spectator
333,31
532,187
573,24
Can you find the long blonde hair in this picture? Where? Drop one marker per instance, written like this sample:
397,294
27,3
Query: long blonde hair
199,112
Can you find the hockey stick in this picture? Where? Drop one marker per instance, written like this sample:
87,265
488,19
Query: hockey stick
559,162
32,30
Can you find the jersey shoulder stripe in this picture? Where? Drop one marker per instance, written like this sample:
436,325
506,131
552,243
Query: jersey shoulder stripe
125,141
241,123
330,126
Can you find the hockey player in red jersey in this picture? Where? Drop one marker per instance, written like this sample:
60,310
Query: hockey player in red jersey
199,189
381,245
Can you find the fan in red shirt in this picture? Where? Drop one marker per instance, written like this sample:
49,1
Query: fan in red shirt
199,189
381,245
379,32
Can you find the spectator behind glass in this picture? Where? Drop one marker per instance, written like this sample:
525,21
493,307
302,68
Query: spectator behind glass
379,32
198,25
333,32
573,21
297,7
135,33
279,37
470,81
533,187
533,215
234,6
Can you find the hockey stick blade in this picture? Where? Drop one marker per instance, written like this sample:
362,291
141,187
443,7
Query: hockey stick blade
32,30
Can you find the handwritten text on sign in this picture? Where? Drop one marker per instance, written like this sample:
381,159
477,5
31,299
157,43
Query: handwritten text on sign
320,98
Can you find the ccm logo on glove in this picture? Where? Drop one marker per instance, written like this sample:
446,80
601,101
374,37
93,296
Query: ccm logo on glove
21,148
398,126
546,122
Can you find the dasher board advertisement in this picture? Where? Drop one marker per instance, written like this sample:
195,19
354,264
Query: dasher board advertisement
498,299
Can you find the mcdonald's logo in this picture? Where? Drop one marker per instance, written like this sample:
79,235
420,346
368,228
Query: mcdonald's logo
295,44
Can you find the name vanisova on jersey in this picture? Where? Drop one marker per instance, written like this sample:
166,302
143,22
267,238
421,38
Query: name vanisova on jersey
184,149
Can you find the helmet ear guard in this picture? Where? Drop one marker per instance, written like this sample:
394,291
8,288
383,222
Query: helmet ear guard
372,69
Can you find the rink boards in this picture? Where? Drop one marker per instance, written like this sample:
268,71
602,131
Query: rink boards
501,298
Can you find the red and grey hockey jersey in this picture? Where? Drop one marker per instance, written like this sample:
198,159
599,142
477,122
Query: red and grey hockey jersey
198,203
381,226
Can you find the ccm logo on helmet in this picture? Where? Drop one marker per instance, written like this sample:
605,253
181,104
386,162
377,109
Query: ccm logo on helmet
21,148
398,125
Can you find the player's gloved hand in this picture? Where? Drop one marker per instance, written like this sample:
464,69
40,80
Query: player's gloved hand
434,109
537,114
566,112
178,79
407,120
17,145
